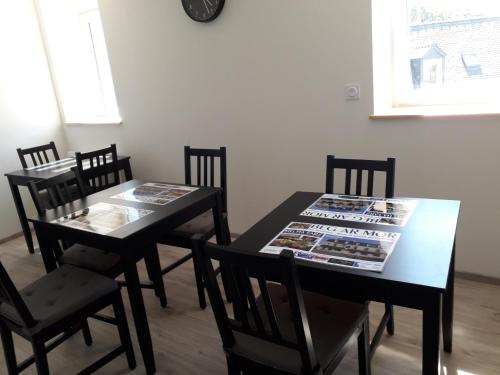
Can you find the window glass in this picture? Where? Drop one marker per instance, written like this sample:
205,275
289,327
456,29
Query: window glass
79,62
443,52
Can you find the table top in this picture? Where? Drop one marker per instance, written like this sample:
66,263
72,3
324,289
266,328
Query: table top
160,212
46,171
421,257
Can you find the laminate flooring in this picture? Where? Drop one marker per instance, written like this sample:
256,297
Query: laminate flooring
186,340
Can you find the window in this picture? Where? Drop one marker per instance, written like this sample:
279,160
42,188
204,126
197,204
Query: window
78,58
427,66
436,56
472,64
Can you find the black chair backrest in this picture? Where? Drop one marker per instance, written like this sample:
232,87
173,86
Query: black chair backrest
205,169
260,322
10,296
58,189
38,154
98,170
371,166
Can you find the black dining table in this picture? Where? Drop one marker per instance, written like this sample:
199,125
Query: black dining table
419,274
130,241
56,168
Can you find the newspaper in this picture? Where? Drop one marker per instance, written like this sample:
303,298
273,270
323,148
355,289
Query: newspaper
363,209
102,218
85,164
52,164
347,247
64,165
155,193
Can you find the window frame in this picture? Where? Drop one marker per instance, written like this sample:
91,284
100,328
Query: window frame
393,86
74,108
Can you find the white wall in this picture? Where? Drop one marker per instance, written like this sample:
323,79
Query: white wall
28,110
266,79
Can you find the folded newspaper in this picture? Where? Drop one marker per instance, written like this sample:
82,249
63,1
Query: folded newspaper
155,193
373,210
363,249
102,218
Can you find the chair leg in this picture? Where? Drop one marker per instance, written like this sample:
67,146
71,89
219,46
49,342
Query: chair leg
227,232
9,350
232,368
199,282
87,336
390,323
40,353
225,284
364,350
124,331
153,266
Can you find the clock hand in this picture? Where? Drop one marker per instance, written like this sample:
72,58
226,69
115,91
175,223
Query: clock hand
206,6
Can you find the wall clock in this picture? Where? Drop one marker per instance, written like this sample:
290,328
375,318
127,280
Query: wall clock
203,10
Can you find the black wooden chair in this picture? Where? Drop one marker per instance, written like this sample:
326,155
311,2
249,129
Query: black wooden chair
284,330
98,170
57,191
54,308
359,166
38,154
369,167
206,172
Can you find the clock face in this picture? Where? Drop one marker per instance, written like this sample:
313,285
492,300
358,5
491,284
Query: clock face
203,10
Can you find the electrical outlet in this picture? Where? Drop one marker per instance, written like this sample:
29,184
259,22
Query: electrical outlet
352,91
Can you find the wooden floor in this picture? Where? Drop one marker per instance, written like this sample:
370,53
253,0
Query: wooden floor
186,340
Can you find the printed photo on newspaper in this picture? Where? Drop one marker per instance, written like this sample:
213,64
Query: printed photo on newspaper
347,247
155,193
373,210
102,218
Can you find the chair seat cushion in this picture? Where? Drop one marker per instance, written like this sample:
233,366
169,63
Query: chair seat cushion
90,258
202,224
332,323
61,293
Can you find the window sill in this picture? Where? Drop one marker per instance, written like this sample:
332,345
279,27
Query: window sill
436,112
92,123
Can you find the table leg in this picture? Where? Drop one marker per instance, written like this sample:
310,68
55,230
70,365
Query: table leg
198,272
22,215
138,311
430,345
448,297
45,244
153,266
389,309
